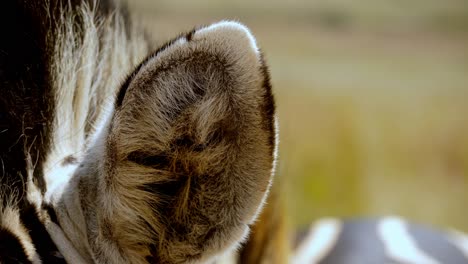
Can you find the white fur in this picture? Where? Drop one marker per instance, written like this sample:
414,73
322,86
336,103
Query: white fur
239,33
64,245
10,220
87,77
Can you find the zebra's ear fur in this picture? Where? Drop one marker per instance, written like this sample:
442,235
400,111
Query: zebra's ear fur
190,148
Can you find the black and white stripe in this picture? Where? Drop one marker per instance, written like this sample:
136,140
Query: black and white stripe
383,240
29,105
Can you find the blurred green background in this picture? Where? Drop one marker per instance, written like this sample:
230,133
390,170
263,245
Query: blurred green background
372,100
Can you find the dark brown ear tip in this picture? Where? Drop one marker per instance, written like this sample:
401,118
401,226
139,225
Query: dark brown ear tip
125,85
123,89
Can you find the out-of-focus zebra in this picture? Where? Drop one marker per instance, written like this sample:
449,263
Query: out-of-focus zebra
390,239
378,240
113,151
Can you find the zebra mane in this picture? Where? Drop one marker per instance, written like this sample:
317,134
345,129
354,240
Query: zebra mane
90,61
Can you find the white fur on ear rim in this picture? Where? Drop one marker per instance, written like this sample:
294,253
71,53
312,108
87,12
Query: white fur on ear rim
230,31
230,39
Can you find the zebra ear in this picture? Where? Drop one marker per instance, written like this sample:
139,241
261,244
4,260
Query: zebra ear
191,145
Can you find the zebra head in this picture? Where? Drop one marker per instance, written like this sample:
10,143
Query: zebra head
137,154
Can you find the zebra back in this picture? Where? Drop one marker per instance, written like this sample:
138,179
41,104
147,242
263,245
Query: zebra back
382,240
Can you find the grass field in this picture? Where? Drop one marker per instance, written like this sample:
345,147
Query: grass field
372,99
